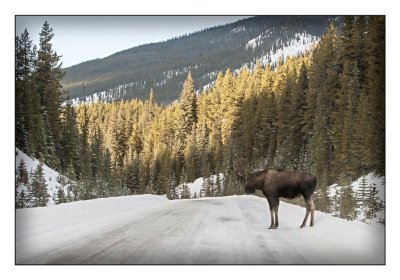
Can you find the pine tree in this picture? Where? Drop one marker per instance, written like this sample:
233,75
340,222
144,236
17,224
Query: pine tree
207,187
84,169
48,75
60,196
323,84
24,67
184,192
69,135
21,183
38,186
155,171
133,180
228,106
264,117
190,156
187,113
214,121
343,126
360,47
348,204
248,120
22,173
375,87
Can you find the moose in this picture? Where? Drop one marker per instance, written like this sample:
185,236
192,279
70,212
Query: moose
276,183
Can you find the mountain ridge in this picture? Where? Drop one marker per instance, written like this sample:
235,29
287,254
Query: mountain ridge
163,66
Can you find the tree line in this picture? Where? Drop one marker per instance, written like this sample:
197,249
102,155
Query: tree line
323,111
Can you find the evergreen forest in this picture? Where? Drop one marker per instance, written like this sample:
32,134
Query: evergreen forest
321,111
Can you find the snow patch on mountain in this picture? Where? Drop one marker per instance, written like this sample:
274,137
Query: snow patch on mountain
255,42
301,43
238,29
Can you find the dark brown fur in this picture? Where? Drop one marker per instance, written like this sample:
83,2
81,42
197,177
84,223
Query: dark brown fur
276,183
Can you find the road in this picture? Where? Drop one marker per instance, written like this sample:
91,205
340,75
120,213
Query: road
230,230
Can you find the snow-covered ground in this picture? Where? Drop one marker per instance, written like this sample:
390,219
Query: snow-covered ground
150,229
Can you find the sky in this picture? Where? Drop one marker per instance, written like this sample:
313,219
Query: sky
82,38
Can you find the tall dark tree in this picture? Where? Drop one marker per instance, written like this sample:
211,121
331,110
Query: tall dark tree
69,134
48,75
187,114
375,88
323,84
23,72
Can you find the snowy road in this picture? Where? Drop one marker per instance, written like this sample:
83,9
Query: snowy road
230,230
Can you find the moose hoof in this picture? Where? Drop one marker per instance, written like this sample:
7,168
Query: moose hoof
273,227
302,226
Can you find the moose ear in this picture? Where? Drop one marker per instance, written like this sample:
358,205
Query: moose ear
239,168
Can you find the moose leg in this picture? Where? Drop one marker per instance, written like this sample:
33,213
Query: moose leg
276,213
272,210
312,210
307,213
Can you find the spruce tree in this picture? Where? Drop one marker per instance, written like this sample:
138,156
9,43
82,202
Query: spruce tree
190,156
69,136
323,84
375,87
24,67
22,173
62,189
187,112
48,75
133,180
38,187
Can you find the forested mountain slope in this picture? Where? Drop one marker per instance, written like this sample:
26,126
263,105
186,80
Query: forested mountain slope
163,66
